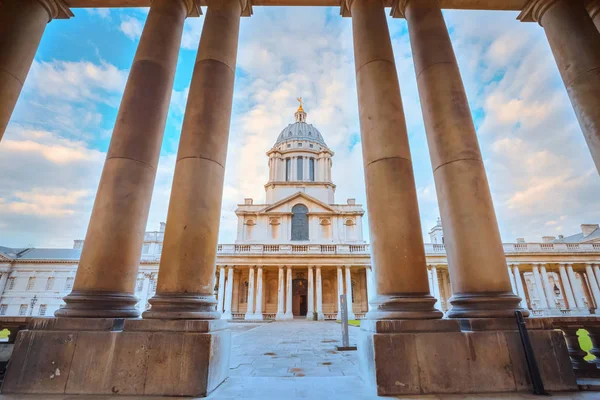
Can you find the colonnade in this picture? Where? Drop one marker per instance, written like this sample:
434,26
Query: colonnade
314,295
105,281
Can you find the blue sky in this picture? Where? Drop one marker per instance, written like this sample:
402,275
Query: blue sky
542,177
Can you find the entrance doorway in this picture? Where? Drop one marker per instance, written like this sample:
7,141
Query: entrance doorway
299,297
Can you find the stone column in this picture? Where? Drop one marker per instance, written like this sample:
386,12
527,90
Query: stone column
250,302
397,247
596,272
476,262
320,314
512,281
370,286
566,284
593,284
220,298
538,286
105,281
22,24
520,288
280,296
311,295
436,287
577,55
349,293
187,267
548,289
340,291
228,295
288,296
258,307
593,8
577,289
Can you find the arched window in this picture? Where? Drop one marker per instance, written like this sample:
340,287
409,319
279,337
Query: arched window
299,222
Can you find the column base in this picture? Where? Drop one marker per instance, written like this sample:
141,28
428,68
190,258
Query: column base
280,316
253,317
485,305
97,304
227,316
115,357
321,316
310,315
420,306
288,316
182,306
412,357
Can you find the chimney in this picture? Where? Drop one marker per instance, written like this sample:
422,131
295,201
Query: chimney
351,202
78,244
588,229
162,226
548,239
520,240
248,201
561,237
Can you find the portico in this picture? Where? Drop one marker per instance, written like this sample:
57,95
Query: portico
184,326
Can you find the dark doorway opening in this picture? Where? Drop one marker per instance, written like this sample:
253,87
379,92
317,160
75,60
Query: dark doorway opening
299,298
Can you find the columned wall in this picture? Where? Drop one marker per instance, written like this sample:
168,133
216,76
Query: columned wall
253,293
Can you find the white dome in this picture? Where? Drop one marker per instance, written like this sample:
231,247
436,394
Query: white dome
300,130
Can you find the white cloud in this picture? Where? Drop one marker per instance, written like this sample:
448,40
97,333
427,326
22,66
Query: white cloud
103,13
131,27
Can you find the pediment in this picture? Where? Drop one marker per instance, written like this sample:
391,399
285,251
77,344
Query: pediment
285,205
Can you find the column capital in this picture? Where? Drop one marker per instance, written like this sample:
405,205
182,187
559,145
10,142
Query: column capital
399,8
346,7
57,9
246,6
193,8
593,7
534,10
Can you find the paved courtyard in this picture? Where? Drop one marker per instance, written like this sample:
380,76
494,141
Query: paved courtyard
298,360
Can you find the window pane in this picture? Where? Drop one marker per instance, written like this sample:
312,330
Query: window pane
299,222
300,167
311,167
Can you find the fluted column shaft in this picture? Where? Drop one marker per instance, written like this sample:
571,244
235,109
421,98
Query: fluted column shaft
280,295
22,24
538,287
370,286
575,44
476,263
288,296
512,281
577,289
397,247
250,301
520,288
187,267
107,273
340,291
595,289
311,295
221,293
228,295
567,287
548,290
319,280
349,293
258,307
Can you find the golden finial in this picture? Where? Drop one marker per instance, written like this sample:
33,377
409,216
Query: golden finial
300,101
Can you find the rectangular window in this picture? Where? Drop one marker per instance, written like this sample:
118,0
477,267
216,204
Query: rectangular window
153,285
145,248
288,169
50,284
158,248
311,169
31,283
23,309
69,284
43,308
3,308
11,283
140,285
300,168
